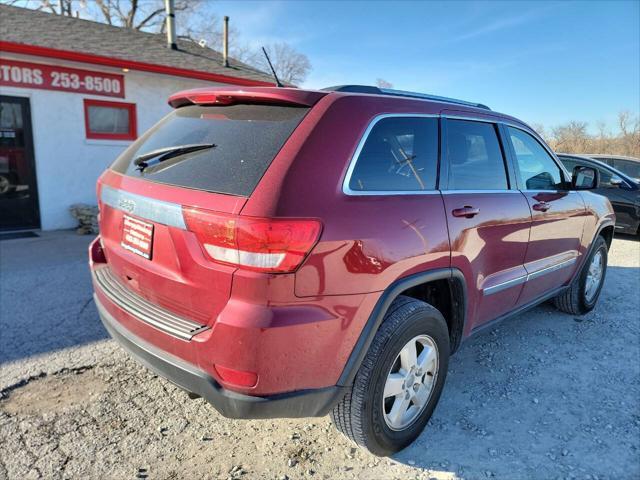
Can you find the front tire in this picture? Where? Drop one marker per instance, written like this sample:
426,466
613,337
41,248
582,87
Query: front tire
583,293
400,380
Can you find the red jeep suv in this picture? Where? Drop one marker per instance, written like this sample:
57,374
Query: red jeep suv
292,253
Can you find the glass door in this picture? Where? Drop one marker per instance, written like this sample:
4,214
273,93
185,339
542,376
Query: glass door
18,190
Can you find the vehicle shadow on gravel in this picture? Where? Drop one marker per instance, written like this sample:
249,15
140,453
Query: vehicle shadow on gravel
544,395
46,293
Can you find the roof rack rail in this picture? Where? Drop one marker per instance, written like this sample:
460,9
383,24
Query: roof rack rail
401,93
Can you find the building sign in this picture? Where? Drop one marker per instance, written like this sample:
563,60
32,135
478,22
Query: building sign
14,73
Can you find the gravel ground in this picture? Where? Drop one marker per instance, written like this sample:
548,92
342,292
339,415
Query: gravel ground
542,396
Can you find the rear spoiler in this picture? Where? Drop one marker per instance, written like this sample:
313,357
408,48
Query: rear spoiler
229,96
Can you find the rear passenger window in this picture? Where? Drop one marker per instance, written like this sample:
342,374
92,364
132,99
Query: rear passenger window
399,154
474,156
629,167
537,170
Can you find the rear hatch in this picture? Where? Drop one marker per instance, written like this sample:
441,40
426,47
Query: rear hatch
149,195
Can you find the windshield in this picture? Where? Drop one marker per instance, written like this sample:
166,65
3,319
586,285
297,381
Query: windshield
246,139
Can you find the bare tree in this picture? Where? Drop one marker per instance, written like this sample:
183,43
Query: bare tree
573,137
624,120
602,141
382,83
136,14
540,130
629,133
207,30
53,6
291,66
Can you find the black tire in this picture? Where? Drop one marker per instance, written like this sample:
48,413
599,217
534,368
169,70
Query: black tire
574,300
359,415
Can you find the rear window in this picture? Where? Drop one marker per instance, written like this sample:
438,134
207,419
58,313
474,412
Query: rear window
246,139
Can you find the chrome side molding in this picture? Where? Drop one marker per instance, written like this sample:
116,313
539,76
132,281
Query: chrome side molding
525,278
504,285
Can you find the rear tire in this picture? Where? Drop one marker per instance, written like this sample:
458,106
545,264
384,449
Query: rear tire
582,295
366,414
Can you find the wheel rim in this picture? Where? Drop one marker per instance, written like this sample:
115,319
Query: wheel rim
594,276
410,382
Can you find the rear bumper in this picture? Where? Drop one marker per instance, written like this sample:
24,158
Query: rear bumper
298,404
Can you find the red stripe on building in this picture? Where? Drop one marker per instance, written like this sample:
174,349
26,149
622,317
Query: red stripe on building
130,64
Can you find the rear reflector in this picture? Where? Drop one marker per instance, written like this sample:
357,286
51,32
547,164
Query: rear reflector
261,244
96,251
237,377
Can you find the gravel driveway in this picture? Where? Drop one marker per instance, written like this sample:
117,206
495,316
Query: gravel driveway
542,396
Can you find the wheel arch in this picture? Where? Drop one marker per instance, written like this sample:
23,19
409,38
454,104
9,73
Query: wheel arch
432,282
607,232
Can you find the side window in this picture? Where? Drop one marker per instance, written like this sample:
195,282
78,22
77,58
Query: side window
605,175
536,168
606,178
628,167
569,164
474,156
399,154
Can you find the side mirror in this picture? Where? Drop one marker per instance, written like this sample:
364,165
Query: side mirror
616,181
585,178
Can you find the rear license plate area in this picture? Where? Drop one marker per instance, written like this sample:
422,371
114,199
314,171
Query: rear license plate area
137,236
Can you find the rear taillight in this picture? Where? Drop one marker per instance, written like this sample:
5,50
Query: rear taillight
262,244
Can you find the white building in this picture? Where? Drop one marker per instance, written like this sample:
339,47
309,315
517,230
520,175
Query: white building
73,95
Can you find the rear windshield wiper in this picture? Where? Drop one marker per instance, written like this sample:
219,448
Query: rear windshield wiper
141,161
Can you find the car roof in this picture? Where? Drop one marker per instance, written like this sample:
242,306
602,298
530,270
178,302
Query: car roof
615,157
402,93
585,158
308,97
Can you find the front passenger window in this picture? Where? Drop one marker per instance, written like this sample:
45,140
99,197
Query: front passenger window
608,179
536,168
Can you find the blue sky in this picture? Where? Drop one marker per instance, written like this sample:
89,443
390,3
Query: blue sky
544,62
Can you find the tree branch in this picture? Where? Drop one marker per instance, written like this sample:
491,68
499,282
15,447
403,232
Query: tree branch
148,18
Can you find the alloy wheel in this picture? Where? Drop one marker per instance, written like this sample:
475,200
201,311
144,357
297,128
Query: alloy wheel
594,276
410,382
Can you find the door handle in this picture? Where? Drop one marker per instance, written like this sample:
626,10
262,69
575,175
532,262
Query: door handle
541,206
466,212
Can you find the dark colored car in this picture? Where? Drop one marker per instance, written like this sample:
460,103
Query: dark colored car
291,253
630,166
622,191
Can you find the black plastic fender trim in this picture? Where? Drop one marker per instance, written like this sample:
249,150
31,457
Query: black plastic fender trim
384,302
